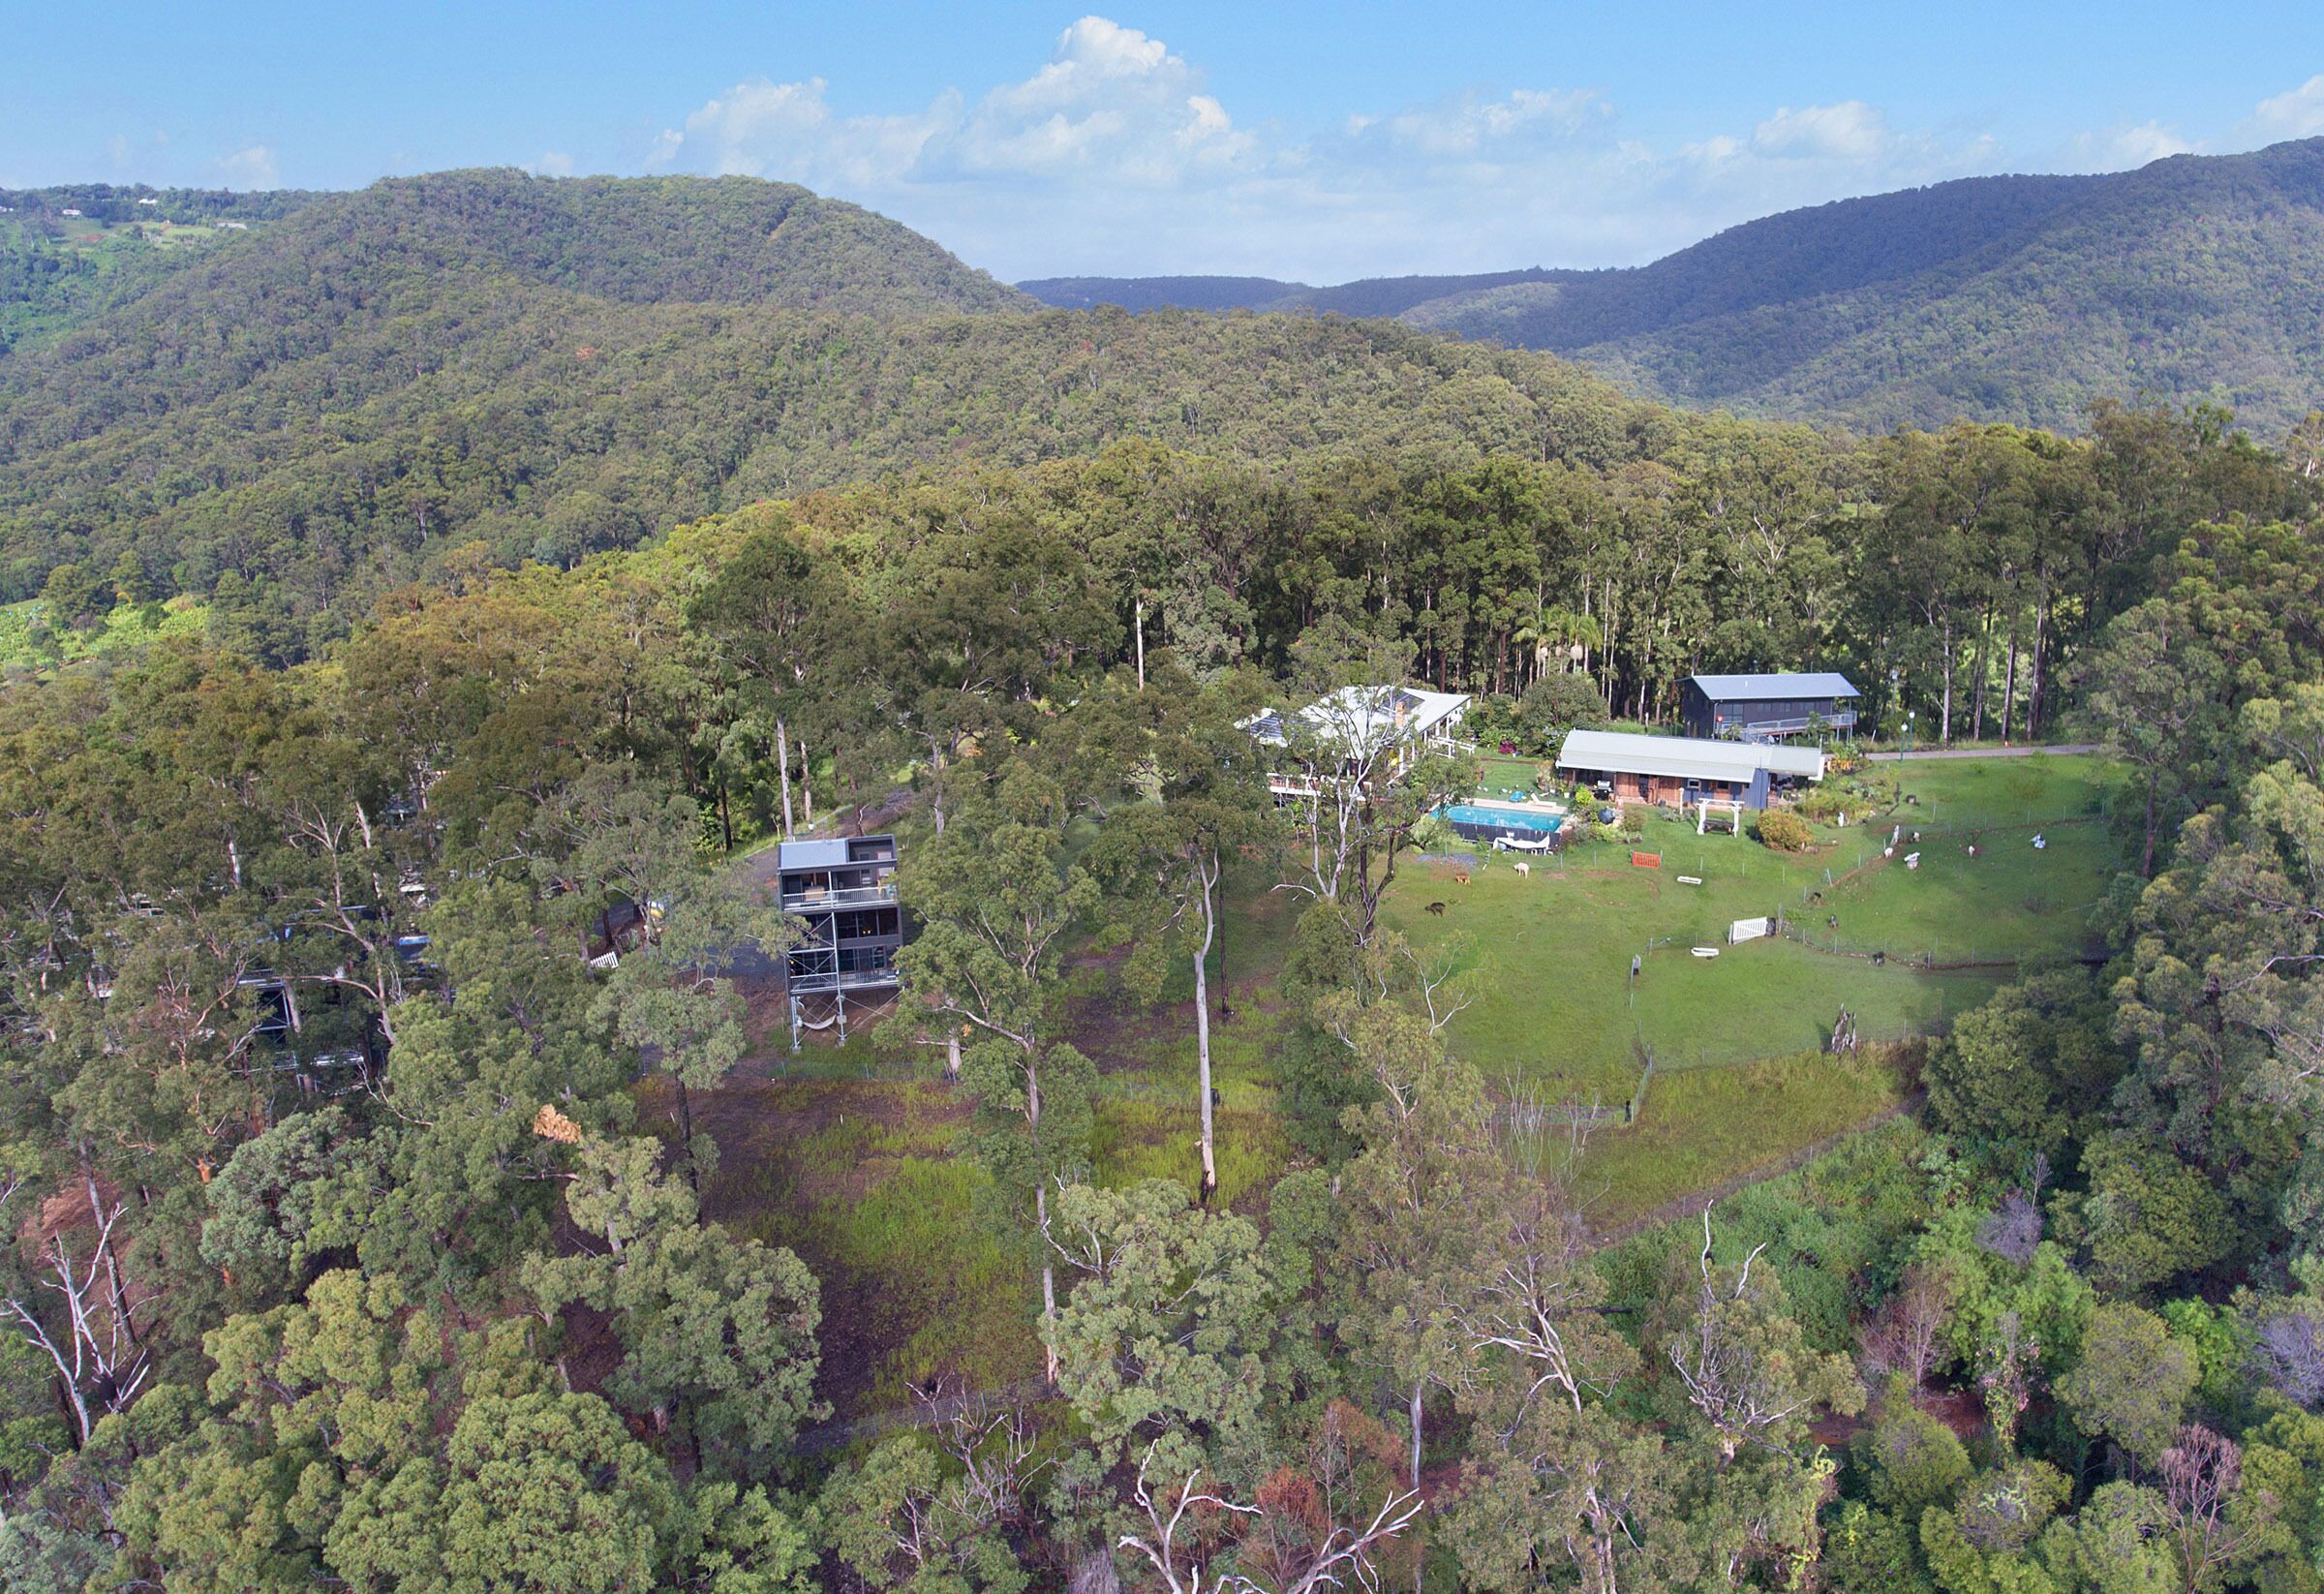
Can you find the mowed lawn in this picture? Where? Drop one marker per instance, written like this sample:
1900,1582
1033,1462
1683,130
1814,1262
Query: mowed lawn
2009,900
1738,1085
1545,959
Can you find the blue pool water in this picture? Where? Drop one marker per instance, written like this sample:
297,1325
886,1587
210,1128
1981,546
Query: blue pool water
1508,819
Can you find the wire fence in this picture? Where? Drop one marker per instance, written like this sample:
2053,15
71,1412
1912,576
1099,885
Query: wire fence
1686,1056
1890,839
1828,940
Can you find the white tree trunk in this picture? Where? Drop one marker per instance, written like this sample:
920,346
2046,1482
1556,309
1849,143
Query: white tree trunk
1944,723
782,778
1206,875
1049,1287
1417,1388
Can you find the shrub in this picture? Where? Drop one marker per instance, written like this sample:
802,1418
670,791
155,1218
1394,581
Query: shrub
1634,821
1828,802
1785,831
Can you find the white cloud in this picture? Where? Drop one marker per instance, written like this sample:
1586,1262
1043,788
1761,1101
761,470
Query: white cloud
2295,114
1115,155
1110,104
764,129
2119,149
1850,130
254,167
552,164
1473,125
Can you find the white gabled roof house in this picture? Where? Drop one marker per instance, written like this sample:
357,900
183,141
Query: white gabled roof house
1360,724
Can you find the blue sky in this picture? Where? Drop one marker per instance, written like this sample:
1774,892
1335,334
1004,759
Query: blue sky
1288,139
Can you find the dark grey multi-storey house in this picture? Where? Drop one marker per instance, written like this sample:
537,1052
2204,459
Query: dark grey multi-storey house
1761,708
843,891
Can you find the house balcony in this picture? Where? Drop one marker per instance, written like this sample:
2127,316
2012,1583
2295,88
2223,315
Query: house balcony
825,982
1760,730
823,899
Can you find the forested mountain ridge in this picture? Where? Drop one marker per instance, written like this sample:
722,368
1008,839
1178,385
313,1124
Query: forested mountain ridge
2016,298
635,240
1370,297
321,408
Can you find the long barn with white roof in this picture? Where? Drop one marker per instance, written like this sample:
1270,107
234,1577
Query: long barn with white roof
1677,771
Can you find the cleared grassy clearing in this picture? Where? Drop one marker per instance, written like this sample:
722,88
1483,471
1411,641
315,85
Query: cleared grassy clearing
1547,957
1705,1126
1739,1084
861,1179
849,1155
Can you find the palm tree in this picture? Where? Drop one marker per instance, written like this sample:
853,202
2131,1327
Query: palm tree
1552,627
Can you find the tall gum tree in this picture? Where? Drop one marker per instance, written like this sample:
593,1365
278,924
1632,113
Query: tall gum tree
995,898
1165,858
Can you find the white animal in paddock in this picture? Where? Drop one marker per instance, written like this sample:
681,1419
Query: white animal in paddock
1522,867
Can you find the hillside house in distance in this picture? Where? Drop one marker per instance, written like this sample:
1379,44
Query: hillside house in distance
843,891
1682,771
1385,728
1758,707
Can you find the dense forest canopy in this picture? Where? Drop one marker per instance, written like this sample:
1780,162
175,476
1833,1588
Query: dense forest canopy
377,1069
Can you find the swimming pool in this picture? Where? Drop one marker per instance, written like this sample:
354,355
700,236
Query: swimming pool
1496,817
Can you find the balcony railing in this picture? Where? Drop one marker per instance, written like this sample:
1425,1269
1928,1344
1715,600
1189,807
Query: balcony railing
850,979
852,896
1755,730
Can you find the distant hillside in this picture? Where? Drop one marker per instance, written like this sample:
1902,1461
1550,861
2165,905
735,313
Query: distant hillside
639,240
321,407
1395,295
2000,298
71,252
1371,296
1143,293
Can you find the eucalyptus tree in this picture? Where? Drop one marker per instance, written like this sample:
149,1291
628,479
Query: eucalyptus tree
1182,748
995,895
766,613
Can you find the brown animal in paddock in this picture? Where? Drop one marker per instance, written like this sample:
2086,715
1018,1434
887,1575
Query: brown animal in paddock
1437,909
1460,877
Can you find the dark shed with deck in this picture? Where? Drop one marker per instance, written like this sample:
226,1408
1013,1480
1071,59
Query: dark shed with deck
1761,708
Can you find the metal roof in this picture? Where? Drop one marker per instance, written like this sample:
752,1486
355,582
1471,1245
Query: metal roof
1365,717
1685,758
1752,689
822,854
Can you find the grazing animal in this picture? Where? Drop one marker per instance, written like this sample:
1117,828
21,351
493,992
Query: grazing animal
1522,867
1461,876
1437,909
